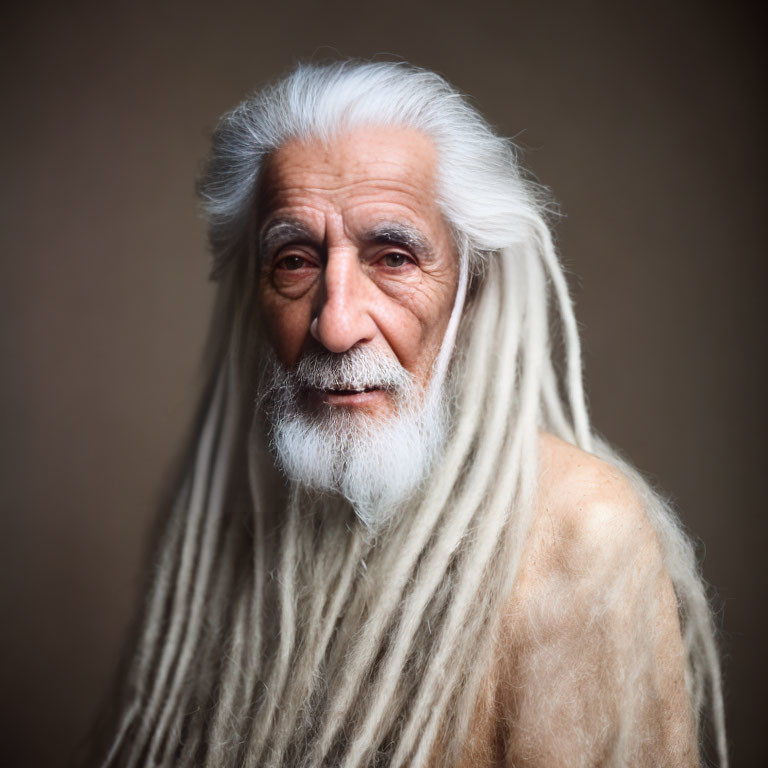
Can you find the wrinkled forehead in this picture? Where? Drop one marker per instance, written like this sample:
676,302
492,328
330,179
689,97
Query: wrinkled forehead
356,156
368,171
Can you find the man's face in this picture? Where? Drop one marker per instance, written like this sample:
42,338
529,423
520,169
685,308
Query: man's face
355,254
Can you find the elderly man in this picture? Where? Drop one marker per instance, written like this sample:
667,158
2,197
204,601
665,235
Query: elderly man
396,540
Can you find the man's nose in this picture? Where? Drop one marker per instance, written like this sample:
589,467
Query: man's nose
343,319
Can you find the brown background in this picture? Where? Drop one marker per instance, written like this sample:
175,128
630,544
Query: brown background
647,121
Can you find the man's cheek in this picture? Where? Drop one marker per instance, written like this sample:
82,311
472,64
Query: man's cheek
287,328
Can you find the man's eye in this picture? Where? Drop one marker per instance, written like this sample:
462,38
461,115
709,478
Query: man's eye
395,259
292,262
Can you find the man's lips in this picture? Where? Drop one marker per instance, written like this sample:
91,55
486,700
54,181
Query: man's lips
350,397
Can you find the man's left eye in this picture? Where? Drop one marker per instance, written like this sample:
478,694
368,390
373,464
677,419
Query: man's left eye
395,259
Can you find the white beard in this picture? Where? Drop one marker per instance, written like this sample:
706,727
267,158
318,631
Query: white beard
375,463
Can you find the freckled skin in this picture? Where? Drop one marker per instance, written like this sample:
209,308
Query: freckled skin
337,289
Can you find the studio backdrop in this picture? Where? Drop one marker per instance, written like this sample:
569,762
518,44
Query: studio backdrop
645,120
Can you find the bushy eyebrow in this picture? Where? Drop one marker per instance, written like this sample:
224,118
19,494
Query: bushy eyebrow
280,232
395,233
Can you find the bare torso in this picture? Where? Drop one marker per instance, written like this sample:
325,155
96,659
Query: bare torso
590,661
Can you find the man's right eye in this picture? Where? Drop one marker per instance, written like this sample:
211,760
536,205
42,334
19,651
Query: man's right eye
292,262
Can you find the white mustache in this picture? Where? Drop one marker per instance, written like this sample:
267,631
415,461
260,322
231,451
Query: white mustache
356,370
374,461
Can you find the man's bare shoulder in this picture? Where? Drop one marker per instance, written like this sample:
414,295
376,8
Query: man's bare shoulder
588,516
590,538
592,608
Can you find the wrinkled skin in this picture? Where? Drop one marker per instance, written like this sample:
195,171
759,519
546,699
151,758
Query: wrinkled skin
356,252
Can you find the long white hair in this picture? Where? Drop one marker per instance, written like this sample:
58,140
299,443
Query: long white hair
278,631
